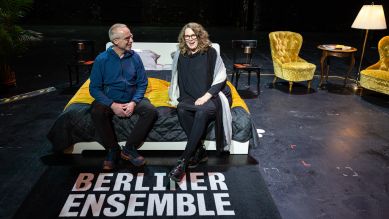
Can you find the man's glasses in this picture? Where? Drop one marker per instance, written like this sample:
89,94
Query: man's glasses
190,37
127,38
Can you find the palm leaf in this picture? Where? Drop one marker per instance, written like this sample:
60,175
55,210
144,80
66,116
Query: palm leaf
12,37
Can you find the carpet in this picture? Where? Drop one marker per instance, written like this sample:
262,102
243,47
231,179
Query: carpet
27,95
73,191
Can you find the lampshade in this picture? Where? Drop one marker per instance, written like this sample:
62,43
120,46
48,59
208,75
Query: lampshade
247,50
370,17
81,46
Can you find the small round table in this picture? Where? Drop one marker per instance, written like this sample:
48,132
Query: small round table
336,51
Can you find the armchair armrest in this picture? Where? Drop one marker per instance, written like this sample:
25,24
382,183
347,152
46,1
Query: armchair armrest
374,66
299,59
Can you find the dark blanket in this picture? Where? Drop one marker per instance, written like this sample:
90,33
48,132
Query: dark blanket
75,125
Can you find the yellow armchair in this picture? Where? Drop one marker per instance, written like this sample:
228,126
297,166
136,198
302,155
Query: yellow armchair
285,47
376,77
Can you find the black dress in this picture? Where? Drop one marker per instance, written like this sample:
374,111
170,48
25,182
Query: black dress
195,77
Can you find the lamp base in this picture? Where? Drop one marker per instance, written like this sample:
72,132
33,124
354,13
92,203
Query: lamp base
356,88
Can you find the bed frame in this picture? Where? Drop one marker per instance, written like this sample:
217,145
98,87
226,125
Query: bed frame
235,147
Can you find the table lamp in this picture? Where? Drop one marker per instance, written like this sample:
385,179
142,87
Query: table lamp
80,48
247,51
370,17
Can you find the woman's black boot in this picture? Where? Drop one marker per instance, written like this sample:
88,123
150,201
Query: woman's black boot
200,156
178,171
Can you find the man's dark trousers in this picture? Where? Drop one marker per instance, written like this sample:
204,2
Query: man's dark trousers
102,119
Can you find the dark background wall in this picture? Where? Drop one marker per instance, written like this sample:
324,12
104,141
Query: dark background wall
263,15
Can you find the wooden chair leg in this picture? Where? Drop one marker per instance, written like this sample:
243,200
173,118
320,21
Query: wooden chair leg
232,77
258,82
89,69
290,86
70,75
77,74
274,81
309,85
248,77
237,79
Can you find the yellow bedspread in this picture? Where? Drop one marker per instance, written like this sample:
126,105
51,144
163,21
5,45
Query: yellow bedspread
157,93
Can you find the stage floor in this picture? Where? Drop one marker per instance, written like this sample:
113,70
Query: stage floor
323,153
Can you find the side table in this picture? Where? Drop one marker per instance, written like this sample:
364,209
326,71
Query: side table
335,51
83,52
76,67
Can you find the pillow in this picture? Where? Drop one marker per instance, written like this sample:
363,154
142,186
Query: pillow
172,54
157,92
82,95
149,58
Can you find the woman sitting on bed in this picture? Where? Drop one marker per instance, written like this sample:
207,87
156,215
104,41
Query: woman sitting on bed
199,90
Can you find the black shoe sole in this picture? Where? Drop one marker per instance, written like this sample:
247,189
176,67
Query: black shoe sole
174,178
205,159
109,167
130,159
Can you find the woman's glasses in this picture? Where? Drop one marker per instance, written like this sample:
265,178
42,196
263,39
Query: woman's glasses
190,37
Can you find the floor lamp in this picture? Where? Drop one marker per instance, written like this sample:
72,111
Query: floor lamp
370,17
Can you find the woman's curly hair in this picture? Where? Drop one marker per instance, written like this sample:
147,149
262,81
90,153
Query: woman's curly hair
202,38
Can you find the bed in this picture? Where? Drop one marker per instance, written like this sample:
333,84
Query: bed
73,130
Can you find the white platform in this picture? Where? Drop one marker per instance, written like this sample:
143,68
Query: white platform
235,148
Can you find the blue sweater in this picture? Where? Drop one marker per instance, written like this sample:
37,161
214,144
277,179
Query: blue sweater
115,79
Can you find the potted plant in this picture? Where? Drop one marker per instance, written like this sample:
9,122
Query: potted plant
13,38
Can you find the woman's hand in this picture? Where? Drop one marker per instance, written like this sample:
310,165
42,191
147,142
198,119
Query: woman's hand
203,99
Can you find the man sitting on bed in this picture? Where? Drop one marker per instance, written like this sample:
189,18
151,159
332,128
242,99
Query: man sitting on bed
117,83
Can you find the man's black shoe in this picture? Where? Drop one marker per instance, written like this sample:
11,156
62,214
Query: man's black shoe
200,156
178,171
130,153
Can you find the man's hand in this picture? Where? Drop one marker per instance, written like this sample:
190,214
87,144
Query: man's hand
203,99
129,108
118,109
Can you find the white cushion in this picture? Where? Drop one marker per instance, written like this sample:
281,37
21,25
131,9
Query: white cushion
149,58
